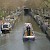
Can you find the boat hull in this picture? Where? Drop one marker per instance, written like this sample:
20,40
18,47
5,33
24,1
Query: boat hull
26,38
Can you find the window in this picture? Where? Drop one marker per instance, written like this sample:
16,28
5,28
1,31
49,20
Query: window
5,26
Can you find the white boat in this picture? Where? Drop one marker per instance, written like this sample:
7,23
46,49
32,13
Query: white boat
32,35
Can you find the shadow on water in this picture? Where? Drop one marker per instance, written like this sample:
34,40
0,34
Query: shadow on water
48,37
27,45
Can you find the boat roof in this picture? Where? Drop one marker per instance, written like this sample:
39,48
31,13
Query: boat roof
6,23
26,24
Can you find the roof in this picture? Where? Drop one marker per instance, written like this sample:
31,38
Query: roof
6,23
26,24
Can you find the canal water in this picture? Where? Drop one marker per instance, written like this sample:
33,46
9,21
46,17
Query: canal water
14,39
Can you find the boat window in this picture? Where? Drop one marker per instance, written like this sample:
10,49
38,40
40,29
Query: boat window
5,26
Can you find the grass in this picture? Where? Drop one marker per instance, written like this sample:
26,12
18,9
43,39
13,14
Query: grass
2,14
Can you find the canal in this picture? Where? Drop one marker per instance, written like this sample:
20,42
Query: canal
13,40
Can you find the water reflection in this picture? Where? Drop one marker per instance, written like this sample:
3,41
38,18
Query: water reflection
3,39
